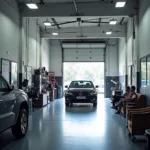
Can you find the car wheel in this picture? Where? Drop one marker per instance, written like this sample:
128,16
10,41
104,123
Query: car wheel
67,104
94,104
21,127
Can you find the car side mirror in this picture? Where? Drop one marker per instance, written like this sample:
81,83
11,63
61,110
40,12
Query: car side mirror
96,86
66,86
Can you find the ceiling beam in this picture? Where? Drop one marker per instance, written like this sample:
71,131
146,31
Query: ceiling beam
86,9
89,32
55,23
90,29
86,36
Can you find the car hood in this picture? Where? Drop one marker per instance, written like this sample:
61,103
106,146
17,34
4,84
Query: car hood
19,92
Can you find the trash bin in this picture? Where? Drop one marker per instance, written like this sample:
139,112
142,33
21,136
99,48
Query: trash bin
52,92
147,132
59,91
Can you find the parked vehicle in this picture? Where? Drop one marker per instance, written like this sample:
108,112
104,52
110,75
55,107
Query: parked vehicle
14,109
81,92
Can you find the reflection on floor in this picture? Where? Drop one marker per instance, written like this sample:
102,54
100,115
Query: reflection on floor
81,127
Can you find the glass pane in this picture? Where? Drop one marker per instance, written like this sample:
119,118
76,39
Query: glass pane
143,72
81,84
3,84
148,71
14,74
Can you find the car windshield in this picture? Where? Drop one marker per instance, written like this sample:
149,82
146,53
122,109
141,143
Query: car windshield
81,84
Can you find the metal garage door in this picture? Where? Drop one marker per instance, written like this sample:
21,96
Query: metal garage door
84,53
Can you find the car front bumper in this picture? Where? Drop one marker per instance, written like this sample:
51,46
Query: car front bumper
74,99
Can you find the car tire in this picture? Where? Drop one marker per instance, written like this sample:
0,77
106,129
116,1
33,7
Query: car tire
21,127
94,104
67,104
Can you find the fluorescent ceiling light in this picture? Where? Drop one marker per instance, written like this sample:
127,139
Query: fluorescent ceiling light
109,33
120,4
47,23
55,33
32,6
113,22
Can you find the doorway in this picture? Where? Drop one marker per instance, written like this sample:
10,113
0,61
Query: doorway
93,71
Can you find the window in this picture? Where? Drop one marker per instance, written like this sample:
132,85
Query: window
143,72
3,84
148,70
81,84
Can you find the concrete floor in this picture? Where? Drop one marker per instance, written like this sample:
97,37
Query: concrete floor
81,127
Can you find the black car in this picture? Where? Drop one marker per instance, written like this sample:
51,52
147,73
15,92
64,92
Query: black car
81,92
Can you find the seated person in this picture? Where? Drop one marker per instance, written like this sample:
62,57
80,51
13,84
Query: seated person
132,96
117,98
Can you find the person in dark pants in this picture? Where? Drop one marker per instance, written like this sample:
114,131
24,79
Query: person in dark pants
117,98
132,96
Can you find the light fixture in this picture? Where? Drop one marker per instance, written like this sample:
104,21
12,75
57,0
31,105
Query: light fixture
113,22
32,5
55,33
109,33
47,23
120,4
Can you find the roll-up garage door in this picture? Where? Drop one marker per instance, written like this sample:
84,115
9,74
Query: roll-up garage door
84,54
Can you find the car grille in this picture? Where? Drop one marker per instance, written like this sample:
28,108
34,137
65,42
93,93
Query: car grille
78,93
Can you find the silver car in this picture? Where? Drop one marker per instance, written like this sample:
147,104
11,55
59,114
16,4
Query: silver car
14,109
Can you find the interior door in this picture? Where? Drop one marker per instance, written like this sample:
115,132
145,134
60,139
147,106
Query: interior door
7,102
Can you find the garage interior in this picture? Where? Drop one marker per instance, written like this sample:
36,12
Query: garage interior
37,40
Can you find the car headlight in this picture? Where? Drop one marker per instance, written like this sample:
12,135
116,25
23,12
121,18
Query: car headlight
93,93
69,93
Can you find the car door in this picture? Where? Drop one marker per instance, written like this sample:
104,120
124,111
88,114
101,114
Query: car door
7,102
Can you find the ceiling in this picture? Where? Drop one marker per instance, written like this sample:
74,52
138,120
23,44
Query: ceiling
68,1
79,23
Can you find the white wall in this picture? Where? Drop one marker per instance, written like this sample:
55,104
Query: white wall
21,44
9,32
144,28
122,56
56,58
144,38
133,43
112,58
140,46
46,54
31,43
35,51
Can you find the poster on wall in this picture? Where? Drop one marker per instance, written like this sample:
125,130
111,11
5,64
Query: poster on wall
29,75
14,74
133,75
129,75
5,67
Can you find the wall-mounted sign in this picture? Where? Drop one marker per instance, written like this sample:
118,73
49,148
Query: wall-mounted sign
5,68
